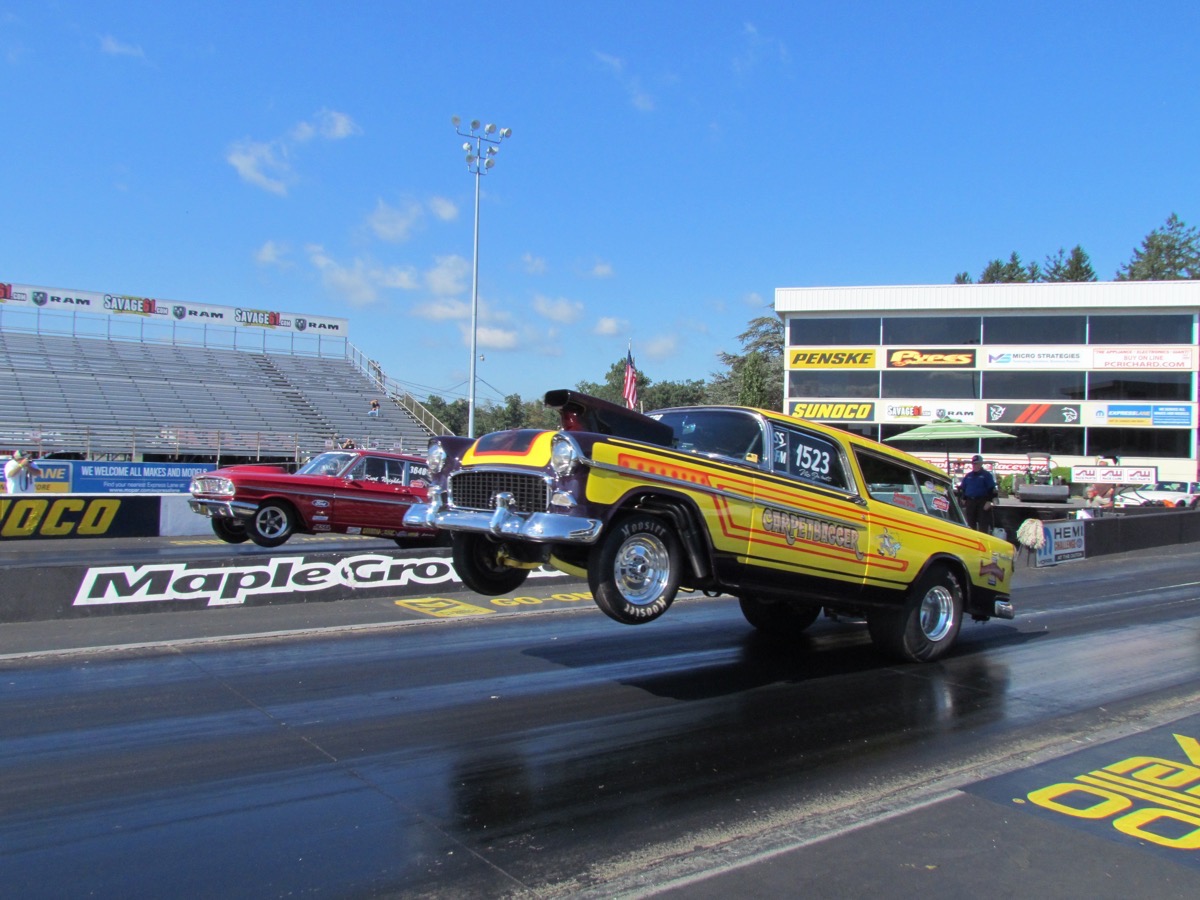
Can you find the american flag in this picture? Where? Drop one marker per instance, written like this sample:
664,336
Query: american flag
629,391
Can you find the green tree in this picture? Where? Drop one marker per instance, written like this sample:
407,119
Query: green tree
755,376
1076,267
452,414
1169,253
500,417
1011,272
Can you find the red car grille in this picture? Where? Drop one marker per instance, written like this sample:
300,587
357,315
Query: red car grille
477,490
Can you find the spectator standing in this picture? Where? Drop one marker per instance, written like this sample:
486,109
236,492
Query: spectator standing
20,473
1101,494
374,410
979,493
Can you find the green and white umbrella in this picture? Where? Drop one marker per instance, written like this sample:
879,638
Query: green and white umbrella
948,430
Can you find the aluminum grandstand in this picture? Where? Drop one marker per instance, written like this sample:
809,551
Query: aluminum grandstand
103,376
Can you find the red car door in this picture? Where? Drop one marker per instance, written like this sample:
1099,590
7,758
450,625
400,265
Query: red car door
374,496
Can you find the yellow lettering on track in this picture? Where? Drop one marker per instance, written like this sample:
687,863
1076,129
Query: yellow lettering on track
443,607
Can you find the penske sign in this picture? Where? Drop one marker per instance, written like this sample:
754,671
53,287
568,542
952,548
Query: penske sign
826,358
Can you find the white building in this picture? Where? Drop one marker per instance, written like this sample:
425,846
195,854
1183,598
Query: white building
1080,370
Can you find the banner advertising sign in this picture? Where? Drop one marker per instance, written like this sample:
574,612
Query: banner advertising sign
1114,474
826,358
957,358
1142,415
38,516
1034,358
835,411
55,477
1064,541
1034,413
1177,358
36,296
135,478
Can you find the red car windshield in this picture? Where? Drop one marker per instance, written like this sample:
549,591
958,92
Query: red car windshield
326,464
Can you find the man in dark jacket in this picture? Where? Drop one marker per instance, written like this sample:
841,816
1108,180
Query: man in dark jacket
978,492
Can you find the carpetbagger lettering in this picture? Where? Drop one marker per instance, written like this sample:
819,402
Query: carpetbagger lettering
795,527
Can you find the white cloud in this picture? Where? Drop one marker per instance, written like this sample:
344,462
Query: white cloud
660,347
757,47
534,265
350,283
754,300
444,209
608,326
113,47
448,276
602,269
405,278
640,99
395,224
273,253
491,338
443,310
262,165
267,164
561,310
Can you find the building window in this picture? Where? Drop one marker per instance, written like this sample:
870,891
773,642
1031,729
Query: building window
1140,386
1140,329
923,383
1173,443
931,331
1058,440
1033,385
1035,329
833,384
856,332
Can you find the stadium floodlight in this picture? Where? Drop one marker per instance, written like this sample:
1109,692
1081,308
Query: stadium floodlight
479,160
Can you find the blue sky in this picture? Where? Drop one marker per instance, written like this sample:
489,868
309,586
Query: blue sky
671,163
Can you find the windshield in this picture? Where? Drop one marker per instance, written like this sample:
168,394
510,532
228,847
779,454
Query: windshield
326,464
723,432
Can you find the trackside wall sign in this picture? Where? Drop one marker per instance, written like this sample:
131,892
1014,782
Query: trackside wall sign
39,516
236,584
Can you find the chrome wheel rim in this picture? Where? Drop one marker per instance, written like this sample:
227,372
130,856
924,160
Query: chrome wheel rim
642,569
937,613
271,522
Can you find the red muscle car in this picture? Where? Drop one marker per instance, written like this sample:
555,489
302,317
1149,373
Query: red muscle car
364,492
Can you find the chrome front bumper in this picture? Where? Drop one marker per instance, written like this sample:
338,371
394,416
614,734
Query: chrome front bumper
545,528
223,509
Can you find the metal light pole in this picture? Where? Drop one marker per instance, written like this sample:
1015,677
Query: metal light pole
480,158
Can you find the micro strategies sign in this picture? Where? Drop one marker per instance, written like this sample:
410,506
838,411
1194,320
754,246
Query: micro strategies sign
36,297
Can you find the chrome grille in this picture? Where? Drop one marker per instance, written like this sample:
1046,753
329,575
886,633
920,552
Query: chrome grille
477,490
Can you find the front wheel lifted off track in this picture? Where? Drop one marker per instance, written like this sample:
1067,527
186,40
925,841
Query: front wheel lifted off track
478,561
231,531
927,625
634,571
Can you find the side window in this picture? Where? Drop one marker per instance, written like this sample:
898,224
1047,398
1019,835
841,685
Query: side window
728,433
809,457
893,483
418,474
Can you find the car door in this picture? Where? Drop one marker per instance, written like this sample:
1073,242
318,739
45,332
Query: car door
373,497
810,535
909,518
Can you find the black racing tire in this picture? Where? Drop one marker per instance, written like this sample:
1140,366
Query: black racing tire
231,531
635,569
779,617
272,524
478,562
927,625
